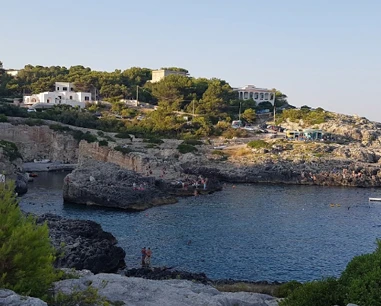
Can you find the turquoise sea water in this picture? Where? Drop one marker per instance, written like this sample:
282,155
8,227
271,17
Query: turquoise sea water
248,232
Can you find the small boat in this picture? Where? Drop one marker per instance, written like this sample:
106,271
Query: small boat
374,199
219,147
42,161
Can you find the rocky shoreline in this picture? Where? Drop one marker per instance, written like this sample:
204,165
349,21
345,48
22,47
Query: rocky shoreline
82,244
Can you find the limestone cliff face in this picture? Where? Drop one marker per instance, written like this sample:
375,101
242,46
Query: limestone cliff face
40,142
134,161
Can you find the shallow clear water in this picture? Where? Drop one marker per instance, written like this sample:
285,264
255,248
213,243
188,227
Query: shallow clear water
251,232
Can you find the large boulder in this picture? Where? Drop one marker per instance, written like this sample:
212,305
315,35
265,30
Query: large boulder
82,244
10,298
108,185
143,292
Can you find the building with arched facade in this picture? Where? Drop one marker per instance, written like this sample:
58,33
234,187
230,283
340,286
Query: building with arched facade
259,95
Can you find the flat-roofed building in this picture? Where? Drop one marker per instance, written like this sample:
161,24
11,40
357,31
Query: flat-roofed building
64,94
158,75
259,95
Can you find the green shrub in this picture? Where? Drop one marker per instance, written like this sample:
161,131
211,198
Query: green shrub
124,150
33,122
79,135
59,128
193,142
231,133
257,144
361,280
10,150
124,135
317,293
103,143
88,297
3,118
286,289
309,116
26,254
109,138
186,148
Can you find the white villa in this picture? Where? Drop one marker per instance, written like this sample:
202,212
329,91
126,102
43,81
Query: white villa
259,95
64,94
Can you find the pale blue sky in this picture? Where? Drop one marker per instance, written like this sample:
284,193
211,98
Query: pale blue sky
320,53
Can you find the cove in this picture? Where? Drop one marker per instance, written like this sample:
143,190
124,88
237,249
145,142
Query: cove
245,232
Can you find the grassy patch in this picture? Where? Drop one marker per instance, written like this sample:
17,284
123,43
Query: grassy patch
270,289
124,150
10,150
186,148
258,144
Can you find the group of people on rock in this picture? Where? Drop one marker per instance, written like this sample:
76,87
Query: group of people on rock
139,187
146,257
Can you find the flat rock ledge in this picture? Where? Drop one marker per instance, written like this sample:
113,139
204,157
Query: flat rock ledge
144,292
82,244
10,298
108,185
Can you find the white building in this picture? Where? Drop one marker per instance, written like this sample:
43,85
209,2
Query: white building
12,72
64,94
158,75
259,95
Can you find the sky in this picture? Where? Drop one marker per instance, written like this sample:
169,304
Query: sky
319,53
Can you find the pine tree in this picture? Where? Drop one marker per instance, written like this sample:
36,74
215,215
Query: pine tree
26,255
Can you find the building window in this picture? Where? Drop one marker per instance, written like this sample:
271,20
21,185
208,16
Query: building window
256,96
271,96
266,96
27,100
71,89
71,97
58,88
87,99
245,95
251,95
261,95
59,97
64,88
48,100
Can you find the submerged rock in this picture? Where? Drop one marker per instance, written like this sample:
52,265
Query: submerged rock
82,244
108,185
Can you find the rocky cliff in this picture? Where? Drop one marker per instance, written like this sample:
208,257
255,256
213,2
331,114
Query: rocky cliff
82,244
106,184
40,142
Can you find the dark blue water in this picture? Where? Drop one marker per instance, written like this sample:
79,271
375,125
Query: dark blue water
250,232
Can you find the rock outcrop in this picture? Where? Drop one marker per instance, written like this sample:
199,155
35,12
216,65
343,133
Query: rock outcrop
12,171
82,244
10,298
143,292
108,185
40,142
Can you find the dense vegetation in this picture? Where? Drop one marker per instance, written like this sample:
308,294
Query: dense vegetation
309,116
187,107
360,283
26,255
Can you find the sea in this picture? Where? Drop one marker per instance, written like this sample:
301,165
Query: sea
252,232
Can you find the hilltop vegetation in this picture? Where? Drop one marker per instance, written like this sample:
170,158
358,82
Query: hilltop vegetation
187,107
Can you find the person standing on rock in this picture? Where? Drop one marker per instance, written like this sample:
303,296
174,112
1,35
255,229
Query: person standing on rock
144,256
148,257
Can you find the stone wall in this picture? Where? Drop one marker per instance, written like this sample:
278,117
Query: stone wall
40,142
134,161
